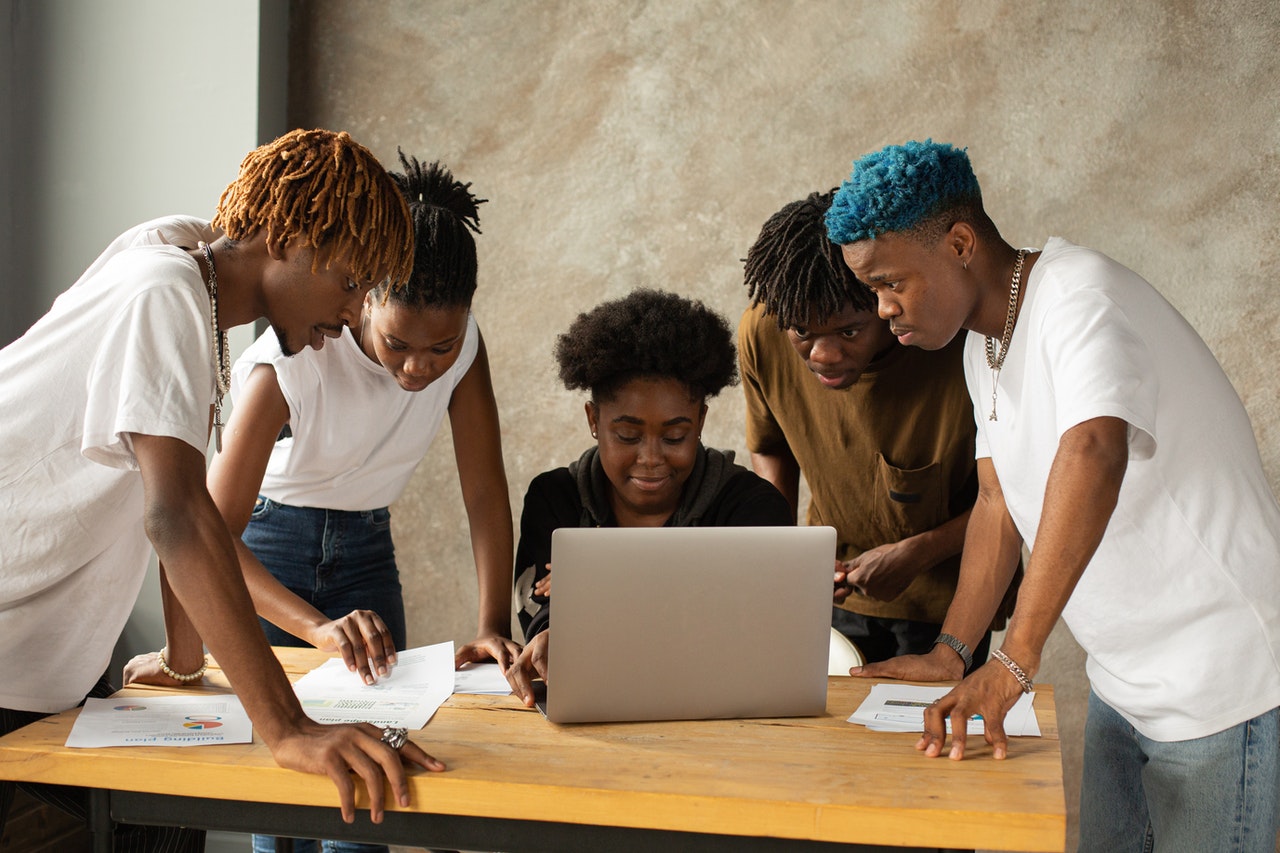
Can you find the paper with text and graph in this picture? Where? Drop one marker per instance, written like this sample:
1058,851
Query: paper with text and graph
900,708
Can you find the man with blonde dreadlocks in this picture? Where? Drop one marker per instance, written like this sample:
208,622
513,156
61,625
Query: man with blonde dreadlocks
112,462
882,433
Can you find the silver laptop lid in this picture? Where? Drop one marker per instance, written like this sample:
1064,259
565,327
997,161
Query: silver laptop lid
689,623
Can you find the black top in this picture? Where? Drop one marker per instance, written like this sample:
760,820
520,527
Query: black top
718,493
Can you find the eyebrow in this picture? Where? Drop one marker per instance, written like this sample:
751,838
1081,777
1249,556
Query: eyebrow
632,419
445,342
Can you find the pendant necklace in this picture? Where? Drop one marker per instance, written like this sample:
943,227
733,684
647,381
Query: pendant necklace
221,352
995,358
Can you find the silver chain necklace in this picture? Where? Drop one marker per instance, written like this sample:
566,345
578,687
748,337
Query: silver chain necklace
221,352
995,358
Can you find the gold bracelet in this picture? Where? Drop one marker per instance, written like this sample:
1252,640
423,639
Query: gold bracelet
177,676
1024,681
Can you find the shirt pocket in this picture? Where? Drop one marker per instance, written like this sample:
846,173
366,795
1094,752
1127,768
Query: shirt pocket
908,501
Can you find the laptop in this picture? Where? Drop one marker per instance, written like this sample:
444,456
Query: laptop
688,623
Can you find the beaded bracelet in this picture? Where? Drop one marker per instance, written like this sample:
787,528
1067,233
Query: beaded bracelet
1023,680
958,646
177,676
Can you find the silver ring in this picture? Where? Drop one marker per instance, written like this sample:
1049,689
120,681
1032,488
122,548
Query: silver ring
395,736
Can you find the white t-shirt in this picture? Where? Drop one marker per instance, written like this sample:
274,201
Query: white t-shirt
125,350
357,435
1179,610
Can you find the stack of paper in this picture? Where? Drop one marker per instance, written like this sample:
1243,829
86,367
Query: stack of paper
900,708
417,685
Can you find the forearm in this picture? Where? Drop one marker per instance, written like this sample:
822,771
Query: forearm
184,648
204,576
780,468
992,550
477,445
273,601
493,547
1080,496
943,542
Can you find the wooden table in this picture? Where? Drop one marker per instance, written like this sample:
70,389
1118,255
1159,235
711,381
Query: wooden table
518,782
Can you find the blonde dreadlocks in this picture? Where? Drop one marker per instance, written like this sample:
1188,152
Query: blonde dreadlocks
325,191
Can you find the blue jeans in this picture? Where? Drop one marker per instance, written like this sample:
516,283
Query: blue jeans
1216,793
267,844
337,561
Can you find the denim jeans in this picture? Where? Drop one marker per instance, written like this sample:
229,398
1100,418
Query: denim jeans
267,844
337,561
1216,793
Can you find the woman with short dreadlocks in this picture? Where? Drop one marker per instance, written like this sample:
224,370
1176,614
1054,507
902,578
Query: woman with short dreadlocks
107,405
320,445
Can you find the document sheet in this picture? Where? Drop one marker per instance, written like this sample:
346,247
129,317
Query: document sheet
161,721
900,708
417,685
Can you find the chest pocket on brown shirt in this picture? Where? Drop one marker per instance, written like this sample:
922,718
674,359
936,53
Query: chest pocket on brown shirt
908,501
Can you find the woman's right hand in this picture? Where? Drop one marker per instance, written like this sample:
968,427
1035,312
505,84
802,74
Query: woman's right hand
363,640
531,663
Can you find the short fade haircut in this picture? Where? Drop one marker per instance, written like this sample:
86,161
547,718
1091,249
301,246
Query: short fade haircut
322,190
796,272
648,334
919,189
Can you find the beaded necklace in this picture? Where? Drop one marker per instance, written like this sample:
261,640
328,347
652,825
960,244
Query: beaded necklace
221,352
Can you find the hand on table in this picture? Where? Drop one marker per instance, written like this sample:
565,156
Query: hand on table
531,663
341,750
503,650
363,640
940,664
146,669
989,692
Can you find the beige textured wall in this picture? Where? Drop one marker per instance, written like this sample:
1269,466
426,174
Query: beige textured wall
643,143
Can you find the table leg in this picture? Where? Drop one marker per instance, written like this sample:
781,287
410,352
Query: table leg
100,822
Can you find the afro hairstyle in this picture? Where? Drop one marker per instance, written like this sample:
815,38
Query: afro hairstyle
648,334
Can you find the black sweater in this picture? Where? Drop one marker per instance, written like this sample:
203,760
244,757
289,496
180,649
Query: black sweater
718,493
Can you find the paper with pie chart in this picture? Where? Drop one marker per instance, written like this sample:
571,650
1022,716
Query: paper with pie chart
161,721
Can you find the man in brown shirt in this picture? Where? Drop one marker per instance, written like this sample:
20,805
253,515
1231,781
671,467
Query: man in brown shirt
882,433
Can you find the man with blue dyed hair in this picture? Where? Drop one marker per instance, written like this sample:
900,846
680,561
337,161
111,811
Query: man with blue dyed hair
1095,403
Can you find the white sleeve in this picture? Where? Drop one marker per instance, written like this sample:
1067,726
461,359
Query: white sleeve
152,373
1101,367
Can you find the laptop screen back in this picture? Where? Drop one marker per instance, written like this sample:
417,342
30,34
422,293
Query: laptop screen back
689,623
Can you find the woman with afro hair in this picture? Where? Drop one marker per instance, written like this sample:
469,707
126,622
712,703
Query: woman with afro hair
649,361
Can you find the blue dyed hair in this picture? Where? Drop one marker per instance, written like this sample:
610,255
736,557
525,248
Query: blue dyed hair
899,189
